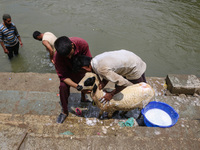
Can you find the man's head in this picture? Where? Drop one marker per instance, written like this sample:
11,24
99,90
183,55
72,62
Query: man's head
64,46
82,62
7,20
37,35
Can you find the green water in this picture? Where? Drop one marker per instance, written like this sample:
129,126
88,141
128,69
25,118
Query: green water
164,33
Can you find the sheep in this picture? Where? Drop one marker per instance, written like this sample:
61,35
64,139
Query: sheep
134,96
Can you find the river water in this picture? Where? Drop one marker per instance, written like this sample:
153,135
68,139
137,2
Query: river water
164,33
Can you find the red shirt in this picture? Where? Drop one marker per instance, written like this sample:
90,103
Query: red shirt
63,65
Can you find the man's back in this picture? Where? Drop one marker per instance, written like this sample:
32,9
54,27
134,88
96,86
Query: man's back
121,62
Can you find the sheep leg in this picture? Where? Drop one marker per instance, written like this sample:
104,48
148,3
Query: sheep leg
123,113
100,114
110,114
140,115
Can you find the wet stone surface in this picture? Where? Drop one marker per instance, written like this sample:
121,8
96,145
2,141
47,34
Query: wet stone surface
26,102
183,84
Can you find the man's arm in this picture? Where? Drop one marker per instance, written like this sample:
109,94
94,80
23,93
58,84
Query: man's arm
119,80
18,36
4,48
49,49
103,83
2,44
71,83
108,96
20,41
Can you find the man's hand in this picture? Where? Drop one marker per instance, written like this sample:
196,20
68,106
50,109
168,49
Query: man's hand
52,61
107,97
21,43
102,84
6,51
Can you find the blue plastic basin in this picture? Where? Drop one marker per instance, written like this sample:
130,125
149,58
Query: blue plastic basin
161,106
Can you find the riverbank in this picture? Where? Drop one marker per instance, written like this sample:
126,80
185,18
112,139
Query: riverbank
29,105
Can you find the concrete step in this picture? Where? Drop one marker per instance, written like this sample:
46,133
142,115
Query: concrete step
103,143
49,82
187,107
23,110
50,121
22,107
43,103
45,135
47,103
46,125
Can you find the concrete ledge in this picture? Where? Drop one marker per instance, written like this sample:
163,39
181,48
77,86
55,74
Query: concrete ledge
30,100
184,135
183,84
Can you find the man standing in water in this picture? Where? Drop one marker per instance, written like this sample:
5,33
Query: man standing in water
66,50
9,37
48,40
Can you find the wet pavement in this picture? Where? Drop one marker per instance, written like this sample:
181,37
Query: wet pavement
29,113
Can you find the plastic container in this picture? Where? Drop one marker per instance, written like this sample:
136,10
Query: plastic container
159,114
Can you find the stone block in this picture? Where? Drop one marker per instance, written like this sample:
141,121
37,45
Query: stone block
183,84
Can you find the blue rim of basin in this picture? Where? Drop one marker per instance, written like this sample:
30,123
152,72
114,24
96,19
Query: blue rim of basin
163,106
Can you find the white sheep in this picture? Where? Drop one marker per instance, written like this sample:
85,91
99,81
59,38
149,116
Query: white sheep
134,96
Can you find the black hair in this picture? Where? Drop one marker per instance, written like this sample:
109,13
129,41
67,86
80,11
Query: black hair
63,45
6,16
36,34
80,61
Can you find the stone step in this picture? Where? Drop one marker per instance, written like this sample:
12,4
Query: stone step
38,120
47,103
183,84
86,126
98,142
187,107
34,102
184,135
44,103
22,107
23,110
49,82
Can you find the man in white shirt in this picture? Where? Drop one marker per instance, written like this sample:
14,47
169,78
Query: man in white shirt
48,40
121,67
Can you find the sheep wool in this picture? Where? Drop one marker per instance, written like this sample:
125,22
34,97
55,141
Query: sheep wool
134,96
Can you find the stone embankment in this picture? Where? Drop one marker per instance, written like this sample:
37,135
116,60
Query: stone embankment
29,105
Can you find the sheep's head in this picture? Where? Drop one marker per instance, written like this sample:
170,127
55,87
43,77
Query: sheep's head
88,82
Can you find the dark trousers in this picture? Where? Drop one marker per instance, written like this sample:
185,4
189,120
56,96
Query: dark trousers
13,49
141,79
65,91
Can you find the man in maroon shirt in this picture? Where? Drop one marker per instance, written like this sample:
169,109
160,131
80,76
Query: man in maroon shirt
66,50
